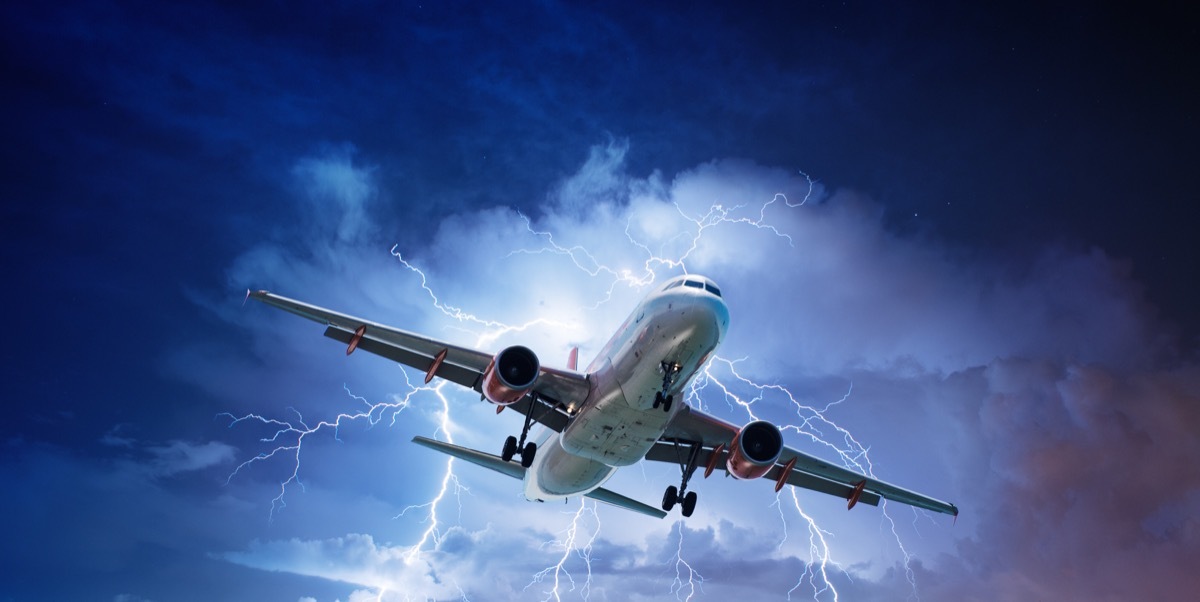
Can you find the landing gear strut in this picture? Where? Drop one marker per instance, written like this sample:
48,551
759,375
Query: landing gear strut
685,498
663,398
527,450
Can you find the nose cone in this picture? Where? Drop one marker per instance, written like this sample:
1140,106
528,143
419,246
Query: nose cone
712,314
717,311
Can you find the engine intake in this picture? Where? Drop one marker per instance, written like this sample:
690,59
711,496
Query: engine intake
754,450
510,375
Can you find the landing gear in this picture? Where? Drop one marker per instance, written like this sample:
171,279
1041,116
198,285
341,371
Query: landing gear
686,499
670,496
527,454
663,398
510,448
513,446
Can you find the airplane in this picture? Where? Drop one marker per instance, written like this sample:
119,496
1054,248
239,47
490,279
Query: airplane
620,410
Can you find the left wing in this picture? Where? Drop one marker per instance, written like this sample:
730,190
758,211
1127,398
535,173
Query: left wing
461,365
692,426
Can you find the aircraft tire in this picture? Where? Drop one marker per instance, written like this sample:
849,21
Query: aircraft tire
658,399
527,454
510,448
689,503
670,496
667,403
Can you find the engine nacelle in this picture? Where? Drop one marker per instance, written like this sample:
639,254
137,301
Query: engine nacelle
510,375
754,450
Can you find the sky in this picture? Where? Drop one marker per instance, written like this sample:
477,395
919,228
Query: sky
956,243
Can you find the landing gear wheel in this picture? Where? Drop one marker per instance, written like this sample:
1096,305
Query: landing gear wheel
527,454
667,403
670,496
689,503
510,448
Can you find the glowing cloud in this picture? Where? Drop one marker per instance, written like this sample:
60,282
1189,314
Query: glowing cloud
823,296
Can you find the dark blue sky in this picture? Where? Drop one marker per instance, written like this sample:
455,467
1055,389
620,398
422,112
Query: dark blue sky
1000,253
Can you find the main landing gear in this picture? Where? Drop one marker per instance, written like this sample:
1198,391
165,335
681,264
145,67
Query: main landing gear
686,499
670,373
527,450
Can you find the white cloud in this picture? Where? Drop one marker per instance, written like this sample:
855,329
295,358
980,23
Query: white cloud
994,358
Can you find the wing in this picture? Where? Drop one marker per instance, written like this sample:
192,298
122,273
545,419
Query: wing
690,427
461,365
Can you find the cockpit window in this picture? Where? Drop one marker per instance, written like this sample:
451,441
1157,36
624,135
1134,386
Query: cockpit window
712,288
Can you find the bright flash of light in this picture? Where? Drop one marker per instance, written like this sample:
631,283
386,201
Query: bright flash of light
719,379
576,542
688,581
815,425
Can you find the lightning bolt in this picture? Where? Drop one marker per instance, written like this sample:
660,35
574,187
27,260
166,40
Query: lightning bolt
576,542
687,579
719,379
288,437
816,426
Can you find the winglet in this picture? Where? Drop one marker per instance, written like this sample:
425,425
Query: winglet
573,359
246,298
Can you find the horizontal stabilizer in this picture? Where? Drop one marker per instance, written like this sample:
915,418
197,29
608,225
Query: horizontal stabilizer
516,471
512,469
610,497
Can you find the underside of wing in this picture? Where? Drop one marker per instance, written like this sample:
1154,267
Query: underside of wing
549,397
713,440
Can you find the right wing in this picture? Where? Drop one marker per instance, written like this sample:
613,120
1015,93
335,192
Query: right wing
461,365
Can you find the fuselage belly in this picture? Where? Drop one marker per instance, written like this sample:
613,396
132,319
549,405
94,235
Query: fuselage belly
618,423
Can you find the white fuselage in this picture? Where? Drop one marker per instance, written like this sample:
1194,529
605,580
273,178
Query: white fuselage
618,423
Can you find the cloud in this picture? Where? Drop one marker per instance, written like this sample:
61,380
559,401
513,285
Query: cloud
1039,388
1089,479
337,190
181,456
727,561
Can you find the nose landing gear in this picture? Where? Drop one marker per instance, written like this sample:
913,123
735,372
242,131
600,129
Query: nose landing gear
662,398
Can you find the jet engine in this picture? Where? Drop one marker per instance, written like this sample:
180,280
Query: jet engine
510,375
754,450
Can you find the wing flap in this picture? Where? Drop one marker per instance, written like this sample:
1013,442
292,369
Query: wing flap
462,375
809,471
565,390
386,335
820,468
